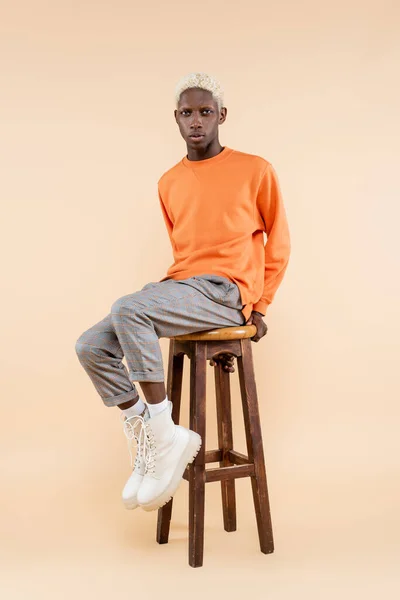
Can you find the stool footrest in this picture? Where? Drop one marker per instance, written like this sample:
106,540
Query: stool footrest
241,466
233,472
236,458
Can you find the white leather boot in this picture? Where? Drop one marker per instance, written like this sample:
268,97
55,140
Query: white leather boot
169,449
134,431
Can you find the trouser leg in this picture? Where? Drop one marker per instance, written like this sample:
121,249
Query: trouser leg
138,320
100,354
167,309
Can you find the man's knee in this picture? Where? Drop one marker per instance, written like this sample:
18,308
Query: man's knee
124,306
84,345
81,347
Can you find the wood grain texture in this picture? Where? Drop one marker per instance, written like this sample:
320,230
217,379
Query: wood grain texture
174,392
232,464
225,442
255,447
197,479
223,333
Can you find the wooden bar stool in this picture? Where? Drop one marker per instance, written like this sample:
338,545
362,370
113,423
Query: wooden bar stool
201,347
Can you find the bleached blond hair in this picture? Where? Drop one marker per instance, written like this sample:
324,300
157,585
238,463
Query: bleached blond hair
202,81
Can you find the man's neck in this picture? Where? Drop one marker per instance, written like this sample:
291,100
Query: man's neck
213,149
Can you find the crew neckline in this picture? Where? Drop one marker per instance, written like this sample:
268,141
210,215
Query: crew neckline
195,164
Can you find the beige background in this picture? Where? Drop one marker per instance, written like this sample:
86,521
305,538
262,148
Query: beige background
86,131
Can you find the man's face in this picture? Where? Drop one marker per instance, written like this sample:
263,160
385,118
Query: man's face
198,117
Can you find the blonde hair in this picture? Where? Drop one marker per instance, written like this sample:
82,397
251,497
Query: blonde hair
202,81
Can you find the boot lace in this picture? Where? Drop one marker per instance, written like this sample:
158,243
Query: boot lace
150,448
134,429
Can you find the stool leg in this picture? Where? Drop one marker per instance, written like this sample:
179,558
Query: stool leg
225,443
197,468
174,391
255,446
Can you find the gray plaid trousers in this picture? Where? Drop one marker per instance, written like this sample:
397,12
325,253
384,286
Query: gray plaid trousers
136,322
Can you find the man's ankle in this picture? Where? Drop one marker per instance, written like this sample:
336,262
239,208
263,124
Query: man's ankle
129,403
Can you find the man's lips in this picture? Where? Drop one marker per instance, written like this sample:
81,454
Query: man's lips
196,138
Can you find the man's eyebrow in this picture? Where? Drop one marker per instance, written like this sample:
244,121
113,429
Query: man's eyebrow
190,108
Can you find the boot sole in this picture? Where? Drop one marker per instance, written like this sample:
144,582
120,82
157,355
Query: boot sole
130,506
191,451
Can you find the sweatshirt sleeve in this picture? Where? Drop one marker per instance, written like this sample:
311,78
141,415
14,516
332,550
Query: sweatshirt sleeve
167,220
277,248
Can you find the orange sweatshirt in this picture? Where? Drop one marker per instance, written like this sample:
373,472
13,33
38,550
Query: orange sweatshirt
216,211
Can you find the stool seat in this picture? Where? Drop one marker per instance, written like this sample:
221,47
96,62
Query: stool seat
239,332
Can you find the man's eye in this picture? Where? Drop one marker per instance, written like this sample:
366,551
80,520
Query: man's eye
204,110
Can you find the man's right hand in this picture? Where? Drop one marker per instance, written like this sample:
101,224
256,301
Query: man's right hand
256,319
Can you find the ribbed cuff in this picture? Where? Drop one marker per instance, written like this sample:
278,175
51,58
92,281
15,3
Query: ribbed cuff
261,307
155,376
121,398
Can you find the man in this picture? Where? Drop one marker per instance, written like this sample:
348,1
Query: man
216,203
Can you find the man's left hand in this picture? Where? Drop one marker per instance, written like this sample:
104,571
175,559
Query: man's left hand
256,319
226,360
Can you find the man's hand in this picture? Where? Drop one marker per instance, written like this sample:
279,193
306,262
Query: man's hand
226,360
256,319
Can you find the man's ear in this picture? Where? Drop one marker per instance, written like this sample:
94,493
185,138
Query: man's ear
222,115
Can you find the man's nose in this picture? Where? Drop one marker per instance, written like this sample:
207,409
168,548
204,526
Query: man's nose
196,120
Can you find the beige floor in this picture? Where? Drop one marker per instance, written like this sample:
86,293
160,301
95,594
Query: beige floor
66,535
